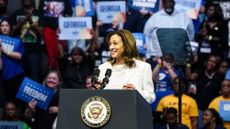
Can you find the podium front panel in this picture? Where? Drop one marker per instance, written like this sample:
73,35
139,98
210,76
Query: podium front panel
124,109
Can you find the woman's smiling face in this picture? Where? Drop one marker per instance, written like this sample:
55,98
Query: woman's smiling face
116,46
52,80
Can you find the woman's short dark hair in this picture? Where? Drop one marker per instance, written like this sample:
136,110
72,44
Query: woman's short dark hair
168,57
216,115
9,22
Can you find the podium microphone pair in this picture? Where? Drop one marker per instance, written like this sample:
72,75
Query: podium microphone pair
104,81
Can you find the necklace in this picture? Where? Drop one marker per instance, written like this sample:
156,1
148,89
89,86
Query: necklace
120,67
209,76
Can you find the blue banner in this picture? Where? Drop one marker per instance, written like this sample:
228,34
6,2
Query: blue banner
140,42
111,11
9,43
224,110
30,90
11,125
75,28
84,8
149,5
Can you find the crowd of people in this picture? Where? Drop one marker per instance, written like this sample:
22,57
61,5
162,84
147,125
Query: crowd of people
70,64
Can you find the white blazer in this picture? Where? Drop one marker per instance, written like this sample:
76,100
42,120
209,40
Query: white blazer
140,76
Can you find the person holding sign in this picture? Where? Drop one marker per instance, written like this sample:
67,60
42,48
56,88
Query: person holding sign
222,103
124,70
12,51
44,118
51,10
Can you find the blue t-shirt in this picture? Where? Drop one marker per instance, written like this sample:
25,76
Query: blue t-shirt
12,67
163,87
164,81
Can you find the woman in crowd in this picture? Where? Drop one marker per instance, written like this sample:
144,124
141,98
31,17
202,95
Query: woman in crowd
44,118
208,81
213,33
11,54
75,72
127,72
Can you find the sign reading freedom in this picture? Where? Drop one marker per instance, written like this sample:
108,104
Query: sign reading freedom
30,90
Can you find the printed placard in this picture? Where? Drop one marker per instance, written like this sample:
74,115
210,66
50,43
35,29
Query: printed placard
31,90
75,28
224,110
225,5
111,11
11,125
9,43
84,8
191,7
140,42
150,5
53,8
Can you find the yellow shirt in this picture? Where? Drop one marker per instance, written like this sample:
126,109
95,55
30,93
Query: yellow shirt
189,107
215,104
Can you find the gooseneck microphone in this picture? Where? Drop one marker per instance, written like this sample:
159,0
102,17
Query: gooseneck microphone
106,79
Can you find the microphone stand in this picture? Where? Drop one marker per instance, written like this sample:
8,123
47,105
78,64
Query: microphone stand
180,91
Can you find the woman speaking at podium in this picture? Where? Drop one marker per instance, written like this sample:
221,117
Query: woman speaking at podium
124,70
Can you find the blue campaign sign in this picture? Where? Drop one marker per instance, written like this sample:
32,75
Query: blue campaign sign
140,42
149,5
84,8
11,125
9,43
30,90
224,110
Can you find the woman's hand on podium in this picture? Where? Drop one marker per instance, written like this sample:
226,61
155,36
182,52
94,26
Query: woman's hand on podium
128,87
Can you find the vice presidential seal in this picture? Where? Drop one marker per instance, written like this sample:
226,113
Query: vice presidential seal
95,112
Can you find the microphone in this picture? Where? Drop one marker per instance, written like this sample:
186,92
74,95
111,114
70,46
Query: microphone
106,79
94,79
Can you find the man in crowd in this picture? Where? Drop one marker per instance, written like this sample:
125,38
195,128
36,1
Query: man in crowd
189,113
221,103
168,17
